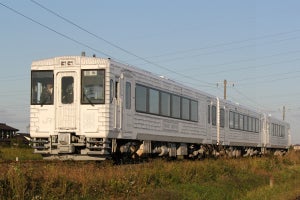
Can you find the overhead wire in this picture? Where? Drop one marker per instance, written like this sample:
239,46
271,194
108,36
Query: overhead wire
55,31
182,57
114,45
232,43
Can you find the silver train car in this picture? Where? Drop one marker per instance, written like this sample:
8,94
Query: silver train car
88,108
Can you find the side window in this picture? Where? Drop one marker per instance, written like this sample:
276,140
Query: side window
165,104
185,105
141,98
231,119
194,111
214,115
245,123
175,106
222,117
116,90
249,123
111,96
236,120
241,122
208,114
67,93
128,95
153,101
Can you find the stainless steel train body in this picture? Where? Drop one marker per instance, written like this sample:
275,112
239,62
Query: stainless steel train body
88,108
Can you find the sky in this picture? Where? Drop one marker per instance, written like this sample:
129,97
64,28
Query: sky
254,45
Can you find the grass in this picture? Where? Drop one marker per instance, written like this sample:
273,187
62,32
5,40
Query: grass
209,179
11,153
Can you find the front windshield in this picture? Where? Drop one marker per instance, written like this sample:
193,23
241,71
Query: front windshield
92,91
42,87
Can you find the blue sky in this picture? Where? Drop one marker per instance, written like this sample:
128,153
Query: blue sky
253,44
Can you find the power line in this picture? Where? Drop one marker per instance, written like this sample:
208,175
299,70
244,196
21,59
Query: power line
114,45
260,107
265,76
249,60
219,51
51,29
272,80
252,67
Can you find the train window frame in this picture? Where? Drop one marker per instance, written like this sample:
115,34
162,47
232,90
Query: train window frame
39,89
97,86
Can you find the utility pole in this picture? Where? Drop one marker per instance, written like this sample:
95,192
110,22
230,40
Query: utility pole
225,87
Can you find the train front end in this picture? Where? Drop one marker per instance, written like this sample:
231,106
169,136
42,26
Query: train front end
68,114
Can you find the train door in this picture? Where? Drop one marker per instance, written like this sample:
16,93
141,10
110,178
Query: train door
66,109
208,124
123,104
128,102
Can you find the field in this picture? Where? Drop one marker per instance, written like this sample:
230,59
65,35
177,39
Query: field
245,178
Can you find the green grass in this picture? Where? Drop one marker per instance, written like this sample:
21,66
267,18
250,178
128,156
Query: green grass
11,153
209,179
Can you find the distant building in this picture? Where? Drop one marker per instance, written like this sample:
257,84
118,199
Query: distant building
297,147
7,132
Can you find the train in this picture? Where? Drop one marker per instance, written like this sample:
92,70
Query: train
91,108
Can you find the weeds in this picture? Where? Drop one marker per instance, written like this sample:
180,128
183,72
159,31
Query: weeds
208,179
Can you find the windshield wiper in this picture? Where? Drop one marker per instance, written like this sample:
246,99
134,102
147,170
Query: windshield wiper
88,99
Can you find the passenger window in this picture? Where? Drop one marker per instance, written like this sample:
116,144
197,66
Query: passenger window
236,120
185,108
175,106
67,90
165,101
231,119
208,114
153,101
241,122
222,117
194,111
141,98
111,90
128,95
245,123
214,115
116,89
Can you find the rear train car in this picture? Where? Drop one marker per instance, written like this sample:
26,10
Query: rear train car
88,108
